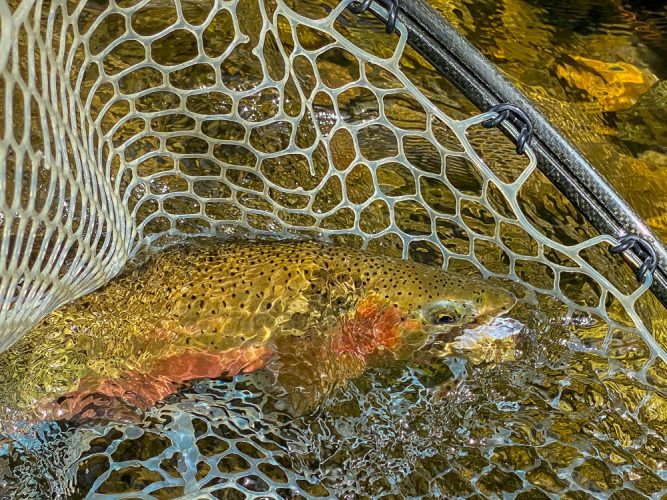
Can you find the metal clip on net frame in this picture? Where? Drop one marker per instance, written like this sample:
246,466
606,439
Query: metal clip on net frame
476,77
504,111
390,5
650,263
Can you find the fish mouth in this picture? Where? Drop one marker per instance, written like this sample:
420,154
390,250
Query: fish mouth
510,302
489,314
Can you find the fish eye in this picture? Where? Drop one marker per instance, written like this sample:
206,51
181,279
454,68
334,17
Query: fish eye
444,319
445,312
442,315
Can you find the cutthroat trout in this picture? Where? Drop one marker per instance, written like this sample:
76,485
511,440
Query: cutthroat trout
211,309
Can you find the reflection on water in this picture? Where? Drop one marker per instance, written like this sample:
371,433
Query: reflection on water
597,69
570,407
556,418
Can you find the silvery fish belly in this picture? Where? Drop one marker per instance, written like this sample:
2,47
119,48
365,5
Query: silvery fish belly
313,314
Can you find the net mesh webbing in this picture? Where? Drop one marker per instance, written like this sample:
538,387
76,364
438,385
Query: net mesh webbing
132,124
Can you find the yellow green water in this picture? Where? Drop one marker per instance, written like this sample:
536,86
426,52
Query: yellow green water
597,69
558,418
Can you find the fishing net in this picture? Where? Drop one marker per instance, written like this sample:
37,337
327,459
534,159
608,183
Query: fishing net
132,124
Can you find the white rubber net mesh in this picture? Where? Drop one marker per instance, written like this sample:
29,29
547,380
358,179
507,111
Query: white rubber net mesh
131,124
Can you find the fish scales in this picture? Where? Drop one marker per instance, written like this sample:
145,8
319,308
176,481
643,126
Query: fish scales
209,309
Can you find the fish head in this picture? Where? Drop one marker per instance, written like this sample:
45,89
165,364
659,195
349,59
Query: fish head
435,301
